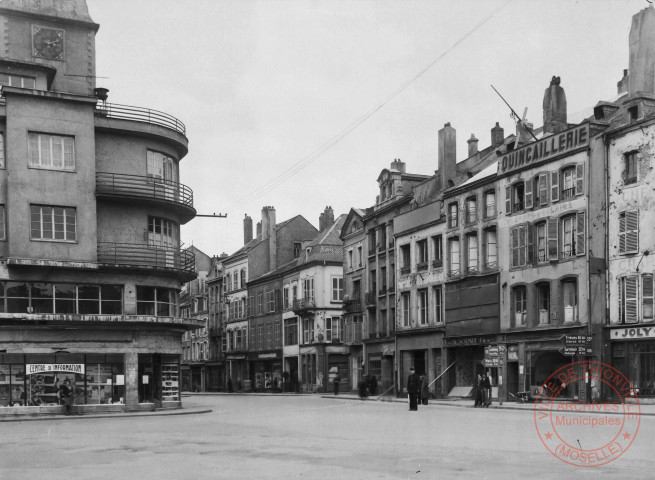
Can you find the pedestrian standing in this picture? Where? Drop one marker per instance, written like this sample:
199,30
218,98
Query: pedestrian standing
336,381
486,386
413,389
66,396
425,389
477,391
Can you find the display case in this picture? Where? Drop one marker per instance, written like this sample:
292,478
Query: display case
170,385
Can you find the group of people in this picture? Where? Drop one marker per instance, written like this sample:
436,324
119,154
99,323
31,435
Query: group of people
482,391
418,388
368,385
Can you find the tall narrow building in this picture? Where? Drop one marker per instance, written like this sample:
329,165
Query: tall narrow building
90,213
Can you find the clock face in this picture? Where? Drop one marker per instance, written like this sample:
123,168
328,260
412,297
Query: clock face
47,42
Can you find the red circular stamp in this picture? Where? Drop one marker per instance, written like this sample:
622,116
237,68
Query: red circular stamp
587,434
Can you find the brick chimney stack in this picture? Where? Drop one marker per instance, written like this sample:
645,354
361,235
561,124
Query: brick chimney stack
473,145
399,165
247,229
554,105
268,232
497,135
259,229
642,52
622,85
447,154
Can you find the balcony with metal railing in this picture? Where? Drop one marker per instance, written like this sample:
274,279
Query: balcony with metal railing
122,187
304,306
148,257
140,114
352,306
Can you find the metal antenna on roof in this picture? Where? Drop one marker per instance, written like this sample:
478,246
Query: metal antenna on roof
515,115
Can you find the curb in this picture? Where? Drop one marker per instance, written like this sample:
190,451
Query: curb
162,413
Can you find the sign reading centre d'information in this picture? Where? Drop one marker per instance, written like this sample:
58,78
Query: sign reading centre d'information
35,368
546,148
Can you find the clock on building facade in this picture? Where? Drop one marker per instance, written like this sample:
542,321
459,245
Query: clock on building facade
47,42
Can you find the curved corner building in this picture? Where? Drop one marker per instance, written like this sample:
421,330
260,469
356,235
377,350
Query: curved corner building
90,215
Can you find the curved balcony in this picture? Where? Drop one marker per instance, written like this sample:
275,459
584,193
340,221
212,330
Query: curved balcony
124,187
140,114
148,257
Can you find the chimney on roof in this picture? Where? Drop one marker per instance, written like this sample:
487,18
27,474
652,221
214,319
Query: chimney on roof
268,231
447,154
497,135
642,52
554,108
622,85
247,229
399,165
259,229
328,217
473,145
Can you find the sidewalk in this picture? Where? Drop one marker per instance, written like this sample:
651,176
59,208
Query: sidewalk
568,407
163,412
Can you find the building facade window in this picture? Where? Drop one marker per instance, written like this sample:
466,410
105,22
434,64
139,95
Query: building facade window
2,150
54,152
160,166
518,197
333,329
570,299
405,299
437,247
155,301
472,252
630,168
453,253
491,249
543,303
308,330
471,210
568,183
540,190
162,233
423,308
360,256
3,229
422,254
438,304
541,242
629,231
337,289
19,81
308,289
519,245
291,331
490,204
297,247
519,304
53,223
453,215
405,259
647,297
568,236
285,297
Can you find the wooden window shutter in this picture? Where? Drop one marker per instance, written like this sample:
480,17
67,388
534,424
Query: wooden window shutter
647,296
515,246
580,240
523,243
579,179
552,239
622,232
508,200
543,188
530,244
554,186
528,193
631,299
632,231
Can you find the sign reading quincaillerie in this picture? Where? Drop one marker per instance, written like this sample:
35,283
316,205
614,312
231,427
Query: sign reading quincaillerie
33,368
545,149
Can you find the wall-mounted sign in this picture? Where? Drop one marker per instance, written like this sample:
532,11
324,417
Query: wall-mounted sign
454,341
545,149
636,333
33,368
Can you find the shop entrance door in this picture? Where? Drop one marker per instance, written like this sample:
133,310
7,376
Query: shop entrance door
512,379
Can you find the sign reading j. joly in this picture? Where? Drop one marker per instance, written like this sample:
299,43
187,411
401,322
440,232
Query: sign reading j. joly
545,148
33,368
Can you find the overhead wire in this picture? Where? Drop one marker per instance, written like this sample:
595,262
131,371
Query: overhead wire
310,158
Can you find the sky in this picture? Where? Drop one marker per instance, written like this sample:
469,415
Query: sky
299,104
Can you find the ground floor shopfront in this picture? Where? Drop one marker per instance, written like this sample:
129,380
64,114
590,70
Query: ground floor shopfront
380,362
631,350
266,371
464,360
319,364
423,351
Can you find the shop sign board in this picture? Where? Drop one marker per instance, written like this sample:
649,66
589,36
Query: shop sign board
495,350
635,333
576,350
577,339
33,368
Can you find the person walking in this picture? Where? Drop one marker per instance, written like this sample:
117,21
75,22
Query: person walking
425,390
413,389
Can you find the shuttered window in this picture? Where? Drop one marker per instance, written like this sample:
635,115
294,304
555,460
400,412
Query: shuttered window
579,179
647,297
518,245
552,239
554,186
629,231
543,188
628,299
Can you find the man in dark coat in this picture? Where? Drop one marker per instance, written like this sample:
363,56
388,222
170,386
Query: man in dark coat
413,389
